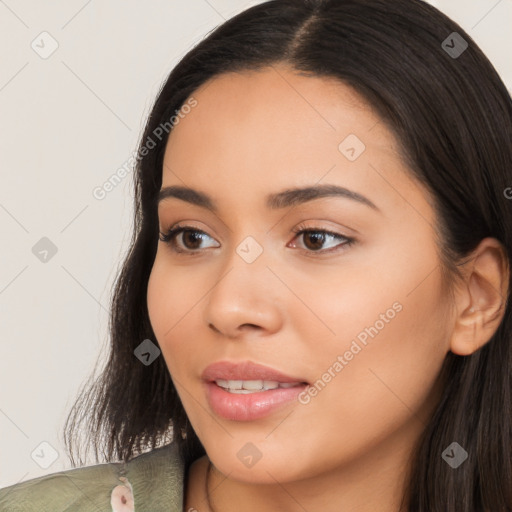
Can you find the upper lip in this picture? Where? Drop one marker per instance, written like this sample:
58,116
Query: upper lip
246,370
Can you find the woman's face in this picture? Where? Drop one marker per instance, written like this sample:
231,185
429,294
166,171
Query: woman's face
365,323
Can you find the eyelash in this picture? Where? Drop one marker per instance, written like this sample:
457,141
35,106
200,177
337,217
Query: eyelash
171,234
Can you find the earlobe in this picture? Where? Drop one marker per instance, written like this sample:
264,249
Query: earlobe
481,300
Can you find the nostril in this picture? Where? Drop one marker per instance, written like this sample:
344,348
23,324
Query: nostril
214,328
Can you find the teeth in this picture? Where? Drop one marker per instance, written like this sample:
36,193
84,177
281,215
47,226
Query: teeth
232,384
251,386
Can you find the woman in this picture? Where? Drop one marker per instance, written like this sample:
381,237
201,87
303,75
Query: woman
315,313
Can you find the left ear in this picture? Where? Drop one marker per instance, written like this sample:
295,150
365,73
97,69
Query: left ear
481,299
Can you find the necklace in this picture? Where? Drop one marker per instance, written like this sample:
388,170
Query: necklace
207,479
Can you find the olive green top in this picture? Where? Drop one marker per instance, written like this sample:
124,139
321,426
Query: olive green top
151,482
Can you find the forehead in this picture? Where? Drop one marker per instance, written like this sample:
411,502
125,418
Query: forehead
287,102
274,128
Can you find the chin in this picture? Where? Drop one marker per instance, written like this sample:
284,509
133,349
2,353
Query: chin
265,471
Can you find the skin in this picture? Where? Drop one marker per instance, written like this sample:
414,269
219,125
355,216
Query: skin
295,309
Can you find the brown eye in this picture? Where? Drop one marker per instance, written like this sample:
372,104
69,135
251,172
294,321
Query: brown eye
314,240
191,238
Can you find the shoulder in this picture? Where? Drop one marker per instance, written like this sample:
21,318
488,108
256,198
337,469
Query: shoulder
153,481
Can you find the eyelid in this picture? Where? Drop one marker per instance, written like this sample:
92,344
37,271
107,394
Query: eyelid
171,233
302,228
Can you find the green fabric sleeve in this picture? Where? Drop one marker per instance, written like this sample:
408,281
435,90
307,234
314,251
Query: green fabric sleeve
156,478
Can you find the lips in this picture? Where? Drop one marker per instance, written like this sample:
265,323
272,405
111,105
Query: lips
252,406
246,371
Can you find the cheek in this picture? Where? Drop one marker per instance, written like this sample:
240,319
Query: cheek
171,294
161,306
173,299
387,386
389,327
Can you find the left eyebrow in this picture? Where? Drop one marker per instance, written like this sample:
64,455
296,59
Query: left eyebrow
284,199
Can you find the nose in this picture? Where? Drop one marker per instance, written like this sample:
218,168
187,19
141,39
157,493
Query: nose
244,300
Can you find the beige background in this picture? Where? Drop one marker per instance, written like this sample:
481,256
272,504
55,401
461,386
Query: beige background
67,123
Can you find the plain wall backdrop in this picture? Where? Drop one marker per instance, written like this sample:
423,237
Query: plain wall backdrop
77,80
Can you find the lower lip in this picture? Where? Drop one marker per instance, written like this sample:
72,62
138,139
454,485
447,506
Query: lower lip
249,406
